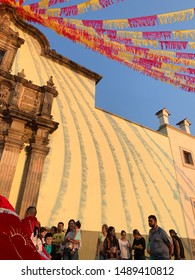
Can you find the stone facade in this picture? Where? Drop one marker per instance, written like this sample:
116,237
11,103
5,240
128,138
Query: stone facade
25,121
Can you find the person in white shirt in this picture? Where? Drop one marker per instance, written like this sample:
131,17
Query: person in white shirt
101,238
125,246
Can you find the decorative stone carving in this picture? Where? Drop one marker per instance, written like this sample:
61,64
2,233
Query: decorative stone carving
5,26
21,74
25,118
50,82
5,88
9,43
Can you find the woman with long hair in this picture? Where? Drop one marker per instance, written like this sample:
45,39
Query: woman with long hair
69,253
111,247
139,245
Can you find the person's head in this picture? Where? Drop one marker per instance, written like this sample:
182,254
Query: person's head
123,234
104,228
71,225
60,227
78,224
172,232
111,232
43,231
136,233
152,221
48,238
36,231
53,230
31,211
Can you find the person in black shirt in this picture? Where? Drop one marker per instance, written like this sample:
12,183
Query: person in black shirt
139,245
178,249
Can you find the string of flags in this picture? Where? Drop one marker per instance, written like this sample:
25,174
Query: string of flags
165,55
43,7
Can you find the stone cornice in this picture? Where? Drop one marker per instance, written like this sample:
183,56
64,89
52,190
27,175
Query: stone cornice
30,118
45,46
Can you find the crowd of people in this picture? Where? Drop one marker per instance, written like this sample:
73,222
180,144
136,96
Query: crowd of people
160,245
54,243
57,244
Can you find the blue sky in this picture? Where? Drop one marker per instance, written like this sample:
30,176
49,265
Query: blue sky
122,91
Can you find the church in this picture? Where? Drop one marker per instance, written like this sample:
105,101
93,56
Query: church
60,153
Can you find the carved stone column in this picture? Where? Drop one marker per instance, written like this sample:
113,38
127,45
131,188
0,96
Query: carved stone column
31,181
13,144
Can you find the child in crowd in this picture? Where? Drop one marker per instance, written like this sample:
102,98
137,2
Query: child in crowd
43,232
49,247
36,240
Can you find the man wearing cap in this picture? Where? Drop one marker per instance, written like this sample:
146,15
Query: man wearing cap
178,249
